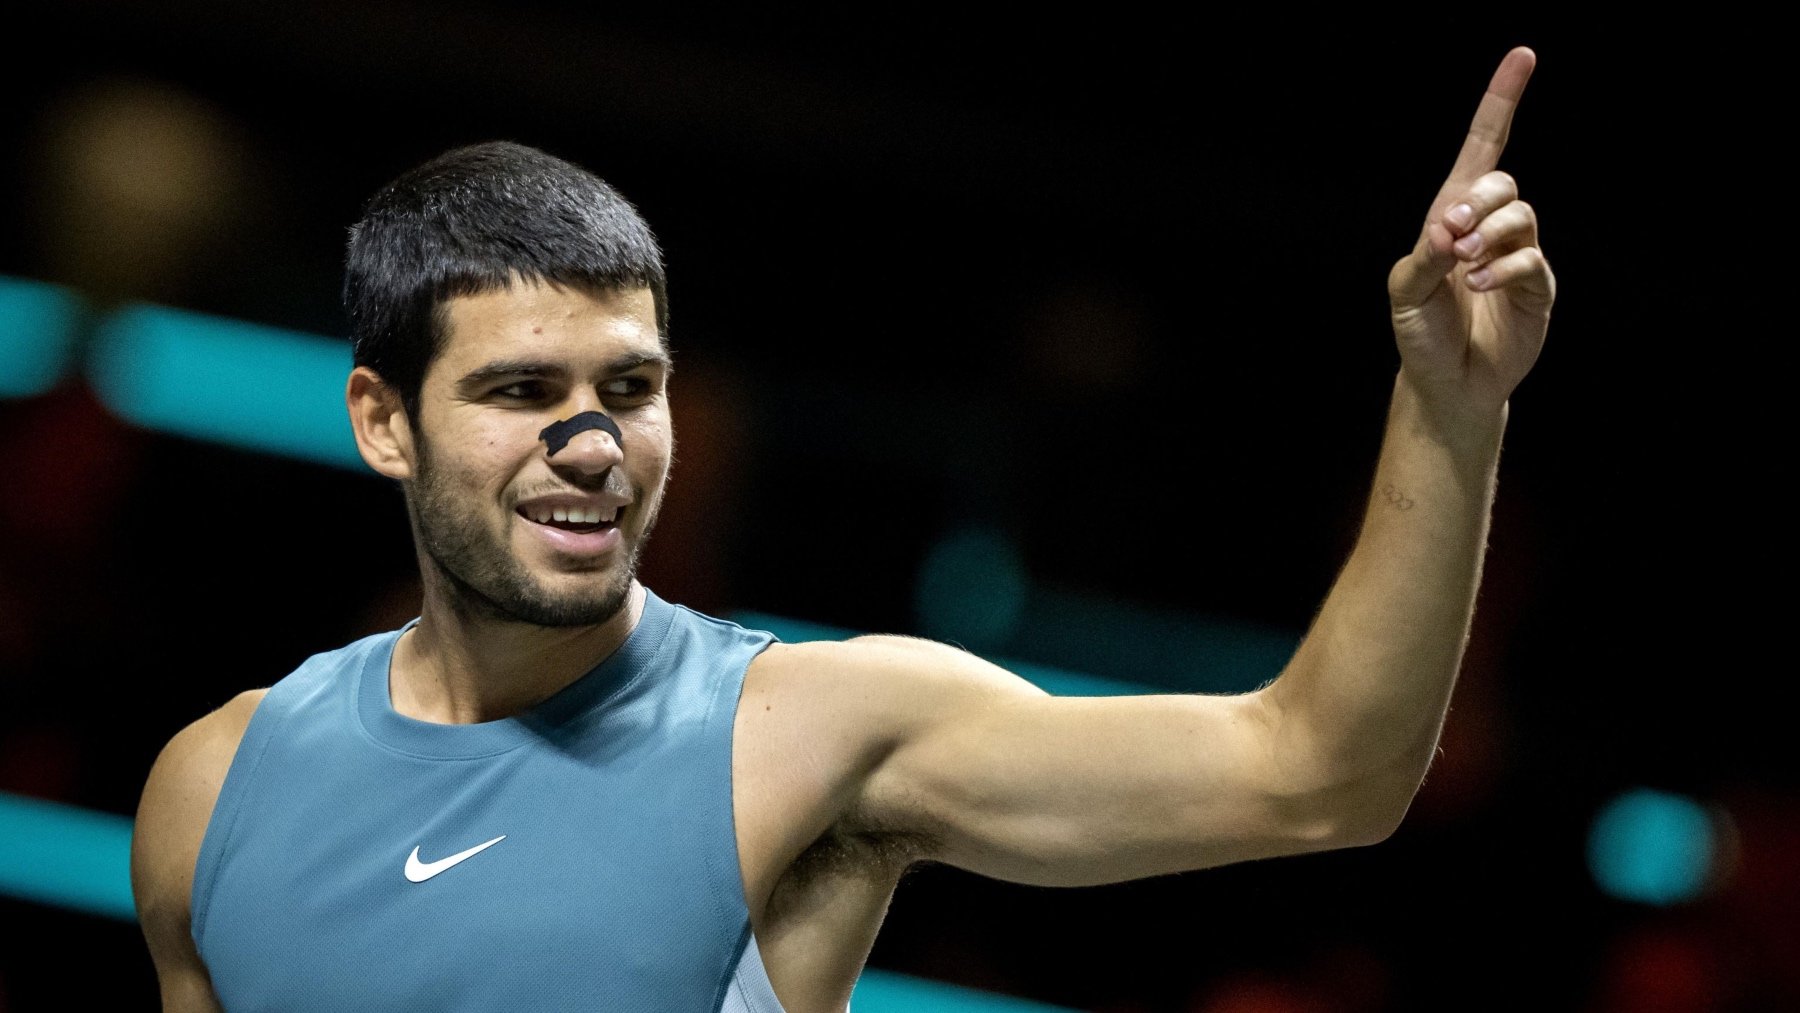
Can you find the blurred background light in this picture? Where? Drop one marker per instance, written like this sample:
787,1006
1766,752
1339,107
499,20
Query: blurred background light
971,589
37,335
66,856
885,992
211,378
1135,642
1652,847
263,388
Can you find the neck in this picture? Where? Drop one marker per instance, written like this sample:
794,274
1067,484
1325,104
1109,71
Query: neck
457,668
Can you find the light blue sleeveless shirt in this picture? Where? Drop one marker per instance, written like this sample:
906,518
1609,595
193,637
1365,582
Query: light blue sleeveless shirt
578,856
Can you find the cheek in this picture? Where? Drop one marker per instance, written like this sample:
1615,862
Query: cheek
482,454
489,435
653,441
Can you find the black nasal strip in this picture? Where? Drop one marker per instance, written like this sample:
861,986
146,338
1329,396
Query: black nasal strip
558,434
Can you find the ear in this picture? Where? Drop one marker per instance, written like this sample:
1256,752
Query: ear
383,432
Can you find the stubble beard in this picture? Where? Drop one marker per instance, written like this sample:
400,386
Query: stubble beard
484,580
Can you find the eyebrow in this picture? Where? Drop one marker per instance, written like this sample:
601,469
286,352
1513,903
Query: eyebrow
537,367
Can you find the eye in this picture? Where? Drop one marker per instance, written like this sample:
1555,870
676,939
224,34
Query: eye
524,390
627,387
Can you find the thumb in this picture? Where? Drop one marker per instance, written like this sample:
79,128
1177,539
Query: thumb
1419,273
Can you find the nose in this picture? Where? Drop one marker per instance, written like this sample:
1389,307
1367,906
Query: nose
590,452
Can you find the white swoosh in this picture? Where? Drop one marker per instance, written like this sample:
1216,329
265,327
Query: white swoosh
419,872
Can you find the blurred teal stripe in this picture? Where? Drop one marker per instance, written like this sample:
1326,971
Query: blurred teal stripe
211,378
37,335
1177,651
886,992
66,856
1054,681
281,392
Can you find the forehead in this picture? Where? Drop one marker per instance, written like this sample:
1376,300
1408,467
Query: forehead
544,319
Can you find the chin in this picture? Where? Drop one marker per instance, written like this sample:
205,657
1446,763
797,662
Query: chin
512,593
581,606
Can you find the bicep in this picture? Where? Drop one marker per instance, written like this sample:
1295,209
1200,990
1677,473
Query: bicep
1073,791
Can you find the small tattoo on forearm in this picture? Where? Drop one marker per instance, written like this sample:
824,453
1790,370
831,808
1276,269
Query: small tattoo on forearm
1396,497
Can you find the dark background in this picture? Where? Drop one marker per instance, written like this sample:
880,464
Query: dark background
1111,286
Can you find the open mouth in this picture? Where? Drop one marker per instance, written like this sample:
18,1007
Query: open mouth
577,519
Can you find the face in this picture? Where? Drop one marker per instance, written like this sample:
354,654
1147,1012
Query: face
486,493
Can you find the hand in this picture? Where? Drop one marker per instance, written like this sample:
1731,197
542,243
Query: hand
1472,301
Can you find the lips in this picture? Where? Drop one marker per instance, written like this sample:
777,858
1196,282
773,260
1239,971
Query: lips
576,540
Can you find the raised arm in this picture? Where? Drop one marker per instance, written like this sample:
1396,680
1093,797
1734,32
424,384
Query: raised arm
983,771
1368,690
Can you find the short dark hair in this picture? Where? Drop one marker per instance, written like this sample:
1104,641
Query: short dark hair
473,220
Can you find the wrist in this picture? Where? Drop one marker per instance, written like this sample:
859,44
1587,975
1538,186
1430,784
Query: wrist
1452,421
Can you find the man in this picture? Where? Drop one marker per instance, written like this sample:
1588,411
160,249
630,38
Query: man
554,789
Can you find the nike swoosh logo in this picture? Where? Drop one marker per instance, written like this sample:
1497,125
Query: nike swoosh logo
419,872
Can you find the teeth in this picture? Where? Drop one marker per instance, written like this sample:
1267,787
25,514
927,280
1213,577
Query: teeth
573,515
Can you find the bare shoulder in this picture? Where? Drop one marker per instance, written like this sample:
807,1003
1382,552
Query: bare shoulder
825,715
198,756
178,800
172,816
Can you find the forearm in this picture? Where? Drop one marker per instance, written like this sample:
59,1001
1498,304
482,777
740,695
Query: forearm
1358,710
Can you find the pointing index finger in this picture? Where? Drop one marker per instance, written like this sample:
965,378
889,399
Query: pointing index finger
1493,118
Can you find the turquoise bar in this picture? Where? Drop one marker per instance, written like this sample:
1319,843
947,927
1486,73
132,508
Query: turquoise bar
1054,681
37,335
66,856
886,992
211,378
1176,651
